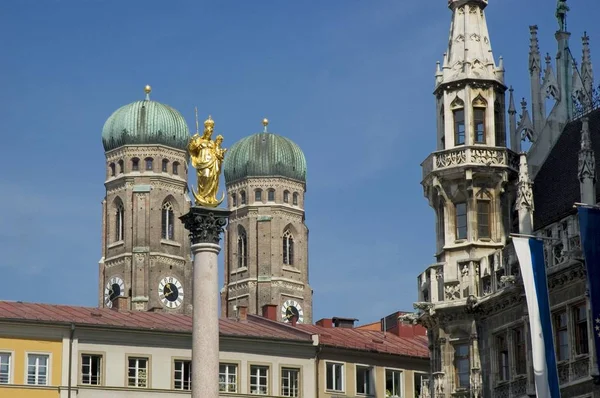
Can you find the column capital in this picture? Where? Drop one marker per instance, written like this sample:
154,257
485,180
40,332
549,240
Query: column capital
205,224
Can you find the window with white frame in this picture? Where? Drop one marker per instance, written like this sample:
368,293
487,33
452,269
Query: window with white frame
364,380
167,226
227,377
393,383
183,375
91,366
334,374
37,369
288,248
290,382
5,365
259,380
119,221
137,372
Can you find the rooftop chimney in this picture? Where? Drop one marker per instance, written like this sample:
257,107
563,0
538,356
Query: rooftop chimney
343,322
325,322
242,313
269,311
120,303
293,320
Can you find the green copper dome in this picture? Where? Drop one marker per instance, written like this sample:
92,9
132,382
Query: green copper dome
145,122
264,155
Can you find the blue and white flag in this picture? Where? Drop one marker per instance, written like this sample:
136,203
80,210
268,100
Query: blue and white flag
589,225
530,252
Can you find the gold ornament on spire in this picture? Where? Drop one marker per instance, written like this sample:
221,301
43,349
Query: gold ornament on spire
207,157
265,124
148,89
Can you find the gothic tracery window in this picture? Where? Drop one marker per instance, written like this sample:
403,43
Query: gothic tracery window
242,246
288,248
119,222
167,224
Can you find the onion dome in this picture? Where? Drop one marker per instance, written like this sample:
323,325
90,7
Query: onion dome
264,155
145,122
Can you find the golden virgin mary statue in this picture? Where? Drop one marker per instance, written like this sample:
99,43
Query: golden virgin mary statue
207,157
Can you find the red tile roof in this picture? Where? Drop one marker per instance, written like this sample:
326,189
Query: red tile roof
370,340
254,326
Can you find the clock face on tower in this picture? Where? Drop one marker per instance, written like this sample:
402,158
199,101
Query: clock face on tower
291,308
114,288
170,292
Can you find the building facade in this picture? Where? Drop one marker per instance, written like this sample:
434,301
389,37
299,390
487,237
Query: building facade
67,351
266,241
145,249
472,300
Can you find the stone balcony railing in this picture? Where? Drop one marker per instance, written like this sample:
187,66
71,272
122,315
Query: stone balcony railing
470,156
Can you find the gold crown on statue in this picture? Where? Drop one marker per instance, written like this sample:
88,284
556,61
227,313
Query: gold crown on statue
209,123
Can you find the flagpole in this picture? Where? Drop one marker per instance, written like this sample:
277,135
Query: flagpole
533,236
577,204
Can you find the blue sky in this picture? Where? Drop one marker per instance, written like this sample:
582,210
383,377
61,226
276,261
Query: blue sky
349,80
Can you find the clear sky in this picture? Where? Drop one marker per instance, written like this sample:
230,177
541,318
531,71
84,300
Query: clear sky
349,80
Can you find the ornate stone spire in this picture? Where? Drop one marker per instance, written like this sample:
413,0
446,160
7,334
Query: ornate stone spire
587,72
515,141
535,69
469,54
550,85
524,203
525,127
587,165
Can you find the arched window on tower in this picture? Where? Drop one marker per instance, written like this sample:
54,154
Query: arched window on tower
148,164
458,113
499,124
165,165
121,166
135,164
295,199
243,197
286,196
175,168
234,199
112,169
288,248
258,195
242,247
271,195
479,108
167,224
119,221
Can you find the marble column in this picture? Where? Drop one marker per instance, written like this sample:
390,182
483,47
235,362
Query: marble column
206,226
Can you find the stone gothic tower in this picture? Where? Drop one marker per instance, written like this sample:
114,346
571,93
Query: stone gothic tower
470,183
266,250
145,250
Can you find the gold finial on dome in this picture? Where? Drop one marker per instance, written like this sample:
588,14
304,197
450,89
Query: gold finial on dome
265,123
148,90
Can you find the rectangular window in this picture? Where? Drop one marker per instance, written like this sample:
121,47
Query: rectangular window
479,123
258,195
227,377
562,336
259,380
271,196
459,127
364,382
502,358
165,165
37,369
461,220
135,164
183,375
581,329
91,366
499,125
5,362
393,383
137,375
419,379
290,382
175,168
462,365
335,376
483,219
520,357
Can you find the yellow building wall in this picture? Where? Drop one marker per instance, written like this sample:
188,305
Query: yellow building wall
19,347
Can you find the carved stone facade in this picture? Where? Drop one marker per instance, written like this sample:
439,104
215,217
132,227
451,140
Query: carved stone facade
266,247
143,240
